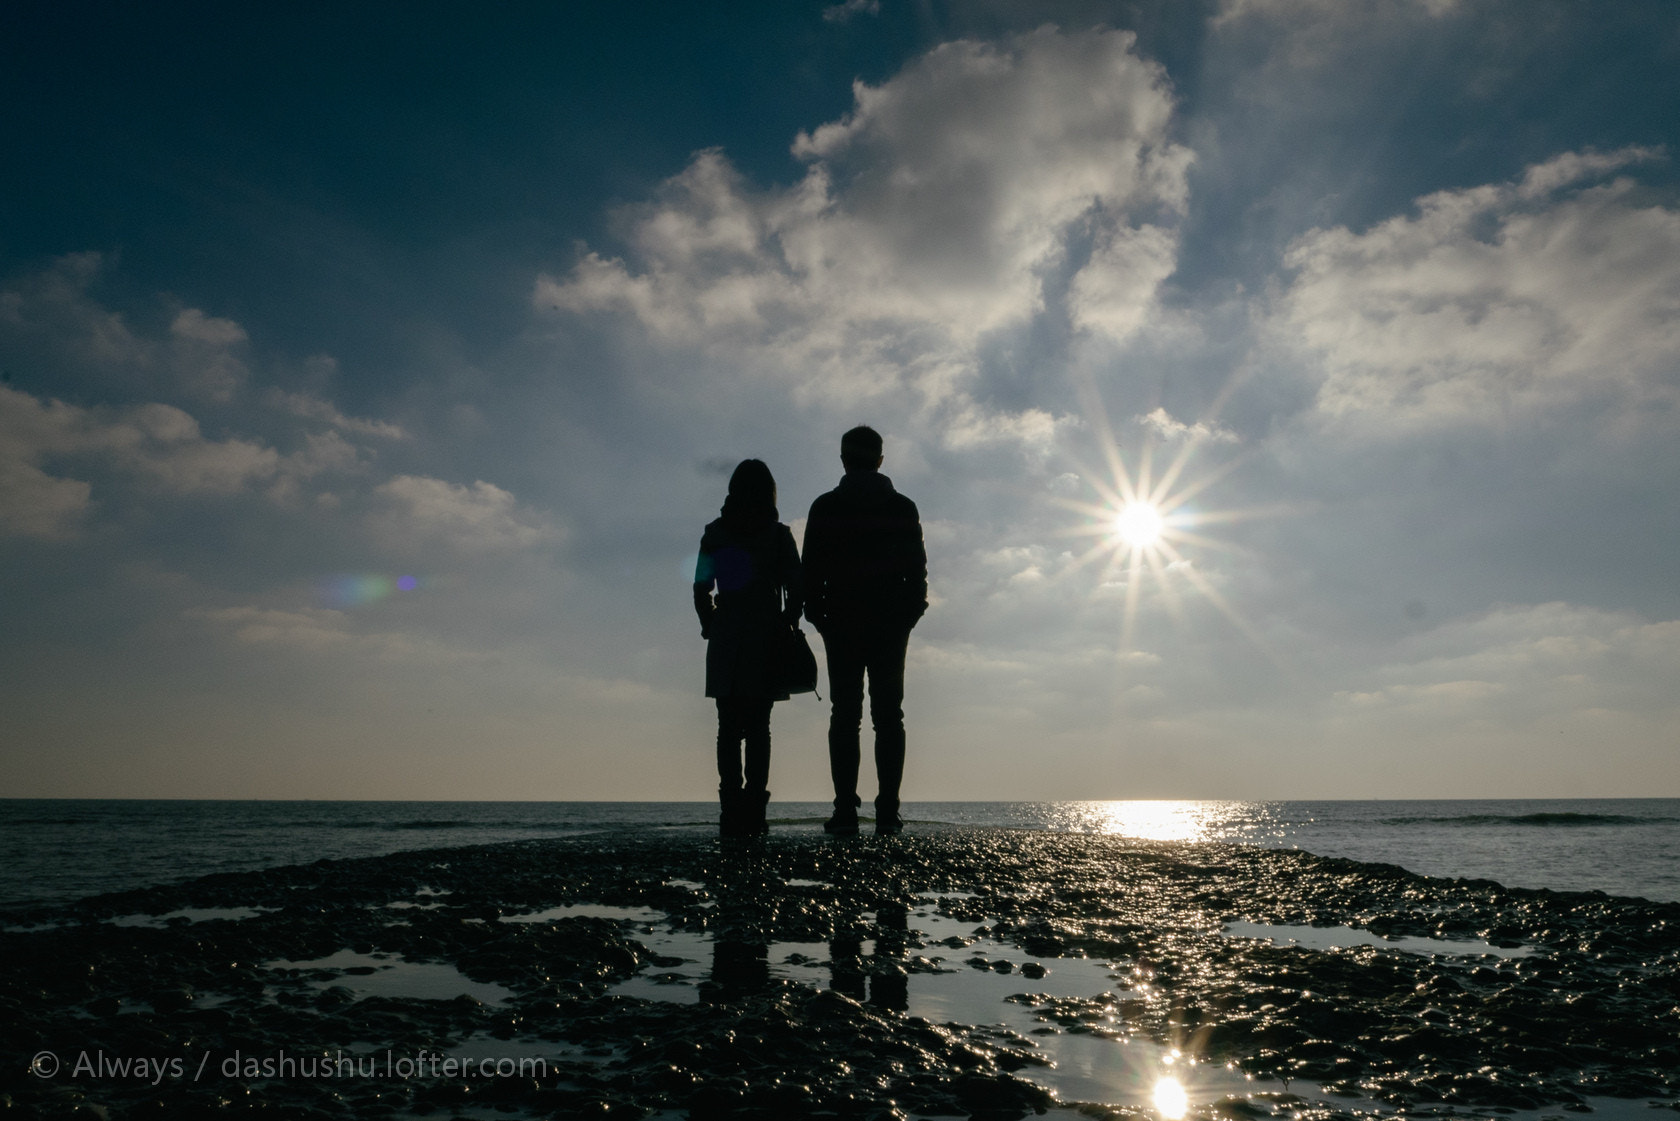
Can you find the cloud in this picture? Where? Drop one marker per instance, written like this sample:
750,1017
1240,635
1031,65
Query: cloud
205,347
1519,664
478,518
314,408
155,443
35,504
322,631
1167,428
56,458
1495,301
848,10
54,305
930,216
1231,11
50,319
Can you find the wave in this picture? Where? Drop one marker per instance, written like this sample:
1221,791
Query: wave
1561,818
450,823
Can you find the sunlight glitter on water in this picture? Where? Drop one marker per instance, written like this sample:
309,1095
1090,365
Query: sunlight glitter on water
1162,820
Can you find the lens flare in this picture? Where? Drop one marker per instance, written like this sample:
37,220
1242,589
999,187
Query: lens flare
359,589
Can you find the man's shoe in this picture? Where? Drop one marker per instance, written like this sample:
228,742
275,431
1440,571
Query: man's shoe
844,823
888,823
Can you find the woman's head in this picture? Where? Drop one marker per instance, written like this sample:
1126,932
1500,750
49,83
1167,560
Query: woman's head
752,483
752,494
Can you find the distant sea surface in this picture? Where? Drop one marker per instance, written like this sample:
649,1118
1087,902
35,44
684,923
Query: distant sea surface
56,850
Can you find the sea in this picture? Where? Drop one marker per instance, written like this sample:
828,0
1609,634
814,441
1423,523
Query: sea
58,850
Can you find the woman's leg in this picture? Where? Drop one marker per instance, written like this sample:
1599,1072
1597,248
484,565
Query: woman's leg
755,729
731,729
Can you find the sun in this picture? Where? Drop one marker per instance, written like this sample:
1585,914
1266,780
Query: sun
1139,525
1149,527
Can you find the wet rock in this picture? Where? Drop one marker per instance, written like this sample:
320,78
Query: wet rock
1592,1010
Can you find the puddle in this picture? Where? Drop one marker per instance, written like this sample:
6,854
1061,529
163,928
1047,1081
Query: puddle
980,985
806,883
392,976
1346,937
407,905
590,911
191,914
691,885
200,1001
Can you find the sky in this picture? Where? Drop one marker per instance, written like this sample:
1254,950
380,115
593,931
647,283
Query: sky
368,373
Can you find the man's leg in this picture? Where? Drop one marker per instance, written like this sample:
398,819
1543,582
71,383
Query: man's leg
845,721
886,713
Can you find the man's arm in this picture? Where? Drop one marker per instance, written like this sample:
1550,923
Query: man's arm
793,577
915,567
814,566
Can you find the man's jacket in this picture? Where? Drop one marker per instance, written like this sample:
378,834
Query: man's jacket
865,564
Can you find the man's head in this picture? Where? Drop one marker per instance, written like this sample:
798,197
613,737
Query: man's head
860,449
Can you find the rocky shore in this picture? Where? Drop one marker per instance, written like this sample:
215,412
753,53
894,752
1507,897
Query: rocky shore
390,982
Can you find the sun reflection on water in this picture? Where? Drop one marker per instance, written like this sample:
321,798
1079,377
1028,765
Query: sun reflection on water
1157,821
1169,820
1170,1099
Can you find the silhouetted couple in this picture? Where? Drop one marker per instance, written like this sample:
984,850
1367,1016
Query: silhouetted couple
862,584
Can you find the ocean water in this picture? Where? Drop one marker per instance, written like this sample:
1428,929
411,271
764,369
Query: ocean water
55,850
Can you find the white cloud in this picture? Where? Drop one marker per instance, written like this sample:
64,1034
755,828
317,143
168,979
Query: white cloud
477,518
1496,301
1516,664
36,504
314,408
929,216
1317,11
321,631
164,443
205,353
1114,294
156,443
1164,425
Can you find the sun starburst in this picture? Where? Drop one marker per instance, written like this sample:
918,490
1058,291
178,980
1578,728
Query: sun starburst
1147,526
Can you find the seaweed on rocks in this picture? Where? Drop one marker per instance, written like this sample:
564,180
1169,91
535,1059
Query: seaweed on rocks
181,1017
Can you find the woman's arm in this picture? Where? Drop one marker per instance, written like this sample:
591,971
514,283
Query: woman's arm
705,577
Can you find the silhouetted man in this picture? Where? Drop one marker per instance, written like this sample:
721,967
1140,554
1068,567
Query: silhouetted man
865,588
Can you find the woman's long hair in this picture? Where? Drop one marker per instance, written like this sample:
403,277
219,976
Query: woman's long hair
752,496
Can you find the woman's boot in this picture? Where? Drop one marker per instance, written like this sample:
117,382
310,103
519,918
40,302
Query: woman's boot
730,815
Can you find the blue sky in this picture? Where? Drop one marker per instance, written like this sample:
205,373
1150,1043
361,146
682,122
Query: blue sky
369,375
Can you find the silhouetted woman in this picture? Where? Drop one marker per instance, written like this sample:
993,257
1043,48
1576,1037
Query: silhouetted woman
748,557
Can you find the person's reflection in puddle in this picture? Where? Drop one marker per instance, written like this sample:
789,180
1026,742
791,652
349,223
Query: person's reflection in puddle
740,946
880,979
739,969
